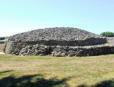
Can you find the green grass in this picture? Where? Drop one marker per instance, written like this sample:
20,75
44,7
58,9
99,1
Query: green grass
56,71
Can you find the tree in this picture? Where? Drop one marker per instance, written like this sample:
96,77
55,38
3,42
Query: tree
107,34
2,38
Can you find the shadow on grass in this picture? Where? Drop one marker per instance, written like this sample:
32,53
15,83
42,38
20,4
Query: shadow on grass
39,81
32,81
106,83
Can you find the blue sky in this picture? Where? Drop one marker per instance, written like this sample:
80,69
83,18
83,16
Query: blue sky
24,15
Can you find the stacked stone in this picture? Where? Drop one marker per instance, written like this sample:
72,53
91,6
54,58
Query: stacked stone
56,42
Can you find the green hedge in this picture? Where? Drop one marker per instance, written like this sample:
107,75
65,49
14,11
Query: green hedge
107,34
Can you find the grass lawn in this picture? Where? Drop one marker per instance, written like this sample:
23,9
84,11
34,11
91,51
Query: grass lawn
46,71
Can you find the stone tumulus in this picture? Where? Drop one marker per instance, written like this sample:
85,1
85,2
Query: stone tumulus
58,41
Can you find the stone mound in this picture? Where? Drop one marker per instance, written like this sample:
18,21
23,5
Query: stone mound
58,34
59,41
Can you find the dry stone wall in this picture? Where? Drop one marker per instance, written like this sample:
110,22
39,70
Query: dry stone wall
36,49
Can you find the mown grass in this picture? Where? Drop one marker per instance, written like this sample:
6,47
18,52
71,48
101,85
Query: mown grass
56,71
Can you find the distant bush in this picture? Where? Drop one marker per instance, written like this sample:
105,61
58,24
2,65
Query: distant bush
107,34
2,38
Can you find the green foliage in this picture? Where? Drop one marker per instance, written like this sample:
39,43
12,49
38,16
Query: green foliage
2,38
107,34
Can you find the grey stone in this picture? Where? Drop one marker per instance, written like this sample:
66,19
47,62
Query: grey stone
58,42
